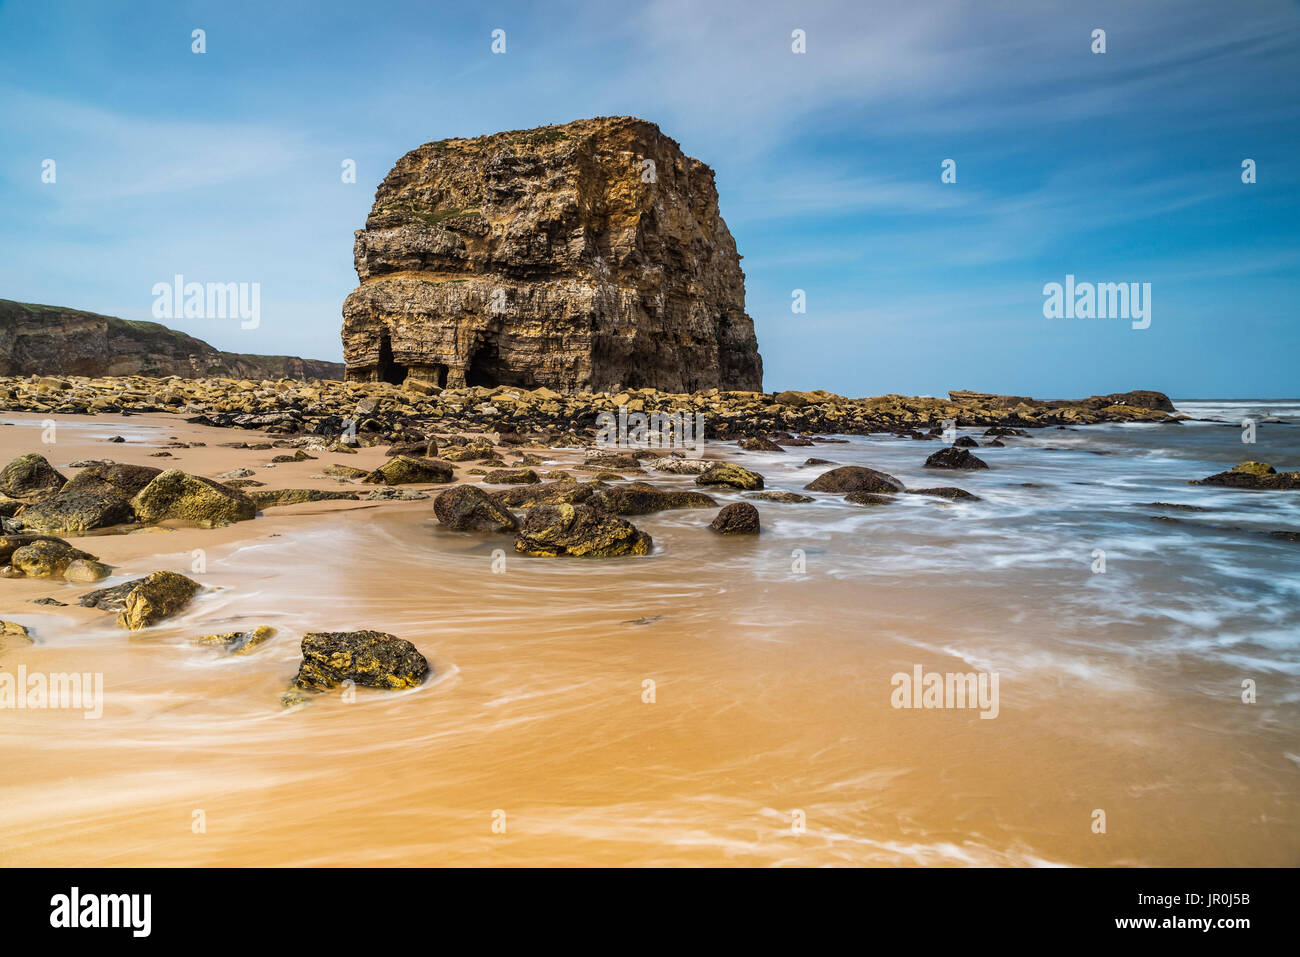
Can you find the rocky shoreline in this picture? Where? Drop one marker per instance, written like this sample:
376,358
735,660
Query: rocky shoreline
376,411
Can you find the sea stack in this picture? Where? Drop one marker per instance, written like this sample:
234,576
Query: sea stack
586,257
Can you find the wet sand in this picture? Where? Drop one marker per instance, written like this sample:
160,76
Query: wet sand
771,697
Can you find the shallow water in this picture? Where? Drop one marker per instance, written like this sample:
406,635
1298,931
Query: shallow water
771,661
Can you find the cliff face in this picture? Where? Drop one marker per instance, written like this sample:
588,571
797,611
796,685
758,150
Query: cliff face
49,340
551,257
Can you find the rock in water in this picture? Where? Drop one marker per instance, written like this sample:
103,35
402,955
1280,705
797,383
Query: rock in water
370,658
739,518
955,458
733,476
580,530
176,494
155,598
588,256
404,470
1258,476
46,558
467,508
855,478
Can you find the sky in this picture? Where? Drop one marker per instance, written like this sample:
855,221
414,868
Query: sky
1122,166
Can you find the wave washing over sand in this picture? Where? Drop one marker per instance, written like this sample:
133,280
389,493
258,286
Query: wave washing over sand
770,660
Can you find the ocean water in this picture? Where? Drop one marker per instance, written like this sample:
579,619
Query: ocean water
722,700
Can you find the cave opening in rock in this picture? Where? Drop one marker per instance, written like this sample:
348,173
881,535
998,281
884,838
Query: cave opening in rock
487,369
386,370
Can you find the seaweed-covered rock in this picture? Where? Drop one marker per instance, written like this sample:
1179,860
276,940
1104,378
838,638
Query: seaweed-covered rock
45,558
154,598
675,466
579,530
511,477
855,478
955,458
86,570
239,642
11,543
344,471
965,442
869,498
731,475
948,492
465,508
178,495
112,478
759,443
30,476
784,497
269,498
471,452
75,513
565,492
372,659
406,470
639,498
112,598
738,518
1256,476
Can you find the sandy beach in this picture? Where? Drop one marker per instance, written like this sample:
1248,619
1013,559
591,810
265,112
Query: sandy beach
720,701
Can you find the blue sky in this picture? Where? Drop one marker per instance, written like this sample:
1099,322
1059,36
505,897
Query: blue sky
1122,166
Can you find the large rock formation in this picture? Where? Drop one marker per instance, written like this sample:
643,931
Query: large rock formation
584,257
51,340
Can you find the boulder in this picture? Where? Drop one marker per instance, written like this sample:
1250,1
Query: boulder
579,530
75,513
372,659
46,558
1255,476
30,476
270,498
406,470
467,508
154,598
239,642
738,518
948,492
511,477
785,498
638,498
955,458
732,476
123,481
855,478
869,498
174,494
550,493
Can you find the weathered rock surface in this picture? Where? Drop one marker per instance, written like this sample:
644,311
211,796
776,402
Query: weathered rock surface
946,491
955,458
154,598
466,508
46,558
738,518
239,642
587,256
855,478
124,481
269,498
51,340
731,475
638,498
406,470
550,531
30,476
179,495
1257,476
372,659
75,513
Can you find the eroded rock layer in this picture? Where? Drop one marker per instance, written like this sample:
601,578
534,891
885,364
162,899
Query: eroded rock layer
584,257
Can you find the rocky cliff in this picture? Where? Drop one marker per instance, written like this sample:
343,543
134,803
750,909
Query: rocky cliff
49,340
584,257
